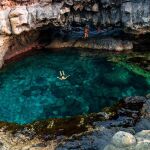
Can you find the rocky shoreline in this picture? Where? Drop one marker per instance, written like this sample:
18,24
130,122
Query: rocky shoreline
106,44
93,131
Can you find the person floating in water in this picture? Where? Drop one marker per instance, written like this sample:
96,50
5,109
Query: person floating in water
86,32
62,75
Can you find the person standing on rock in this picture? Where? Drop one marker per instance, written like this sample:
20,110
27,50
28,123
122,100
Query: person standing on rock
98,29
86,32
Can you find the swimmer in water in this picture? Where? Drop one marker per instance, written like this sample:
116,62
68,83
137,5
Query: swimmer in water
62,75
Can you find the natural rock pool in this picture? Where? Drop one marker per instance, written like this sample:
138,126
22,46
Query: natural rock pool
30,89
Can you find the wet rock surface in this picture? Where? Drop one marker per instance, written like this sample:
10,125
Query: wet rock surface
108,44
114,128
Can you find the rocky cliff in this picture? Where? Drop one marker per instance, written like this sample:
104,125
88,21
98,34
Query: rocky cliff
23,17
18,17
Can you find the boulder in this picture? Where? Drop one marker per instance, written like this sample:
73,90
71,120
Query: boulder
123,139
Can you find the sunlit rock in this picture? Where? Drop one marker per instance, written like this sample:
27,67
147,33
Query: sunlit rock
95,7
19,20
5,27
123,139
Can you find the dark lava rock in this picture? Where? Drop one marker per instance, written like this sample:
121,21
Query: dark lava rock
143,124
135,99
146,109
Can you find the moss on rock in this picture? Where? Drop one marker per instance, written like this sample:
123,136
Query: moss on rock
131,62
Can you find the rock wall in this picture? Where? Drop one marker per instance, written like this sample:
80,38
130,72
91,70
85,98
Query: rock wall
19,17
19,26
26,18
133,14
126,14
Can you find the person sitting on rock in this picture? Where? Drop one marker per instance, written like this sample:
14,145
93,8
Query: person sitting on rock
86,32
62,75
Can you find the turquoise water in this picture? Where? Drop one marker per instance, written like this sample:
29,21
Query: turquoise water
30,89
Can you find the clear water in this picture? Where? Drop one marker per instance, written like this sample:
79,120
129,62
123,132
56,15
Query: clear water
30,90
